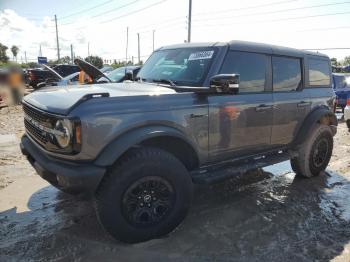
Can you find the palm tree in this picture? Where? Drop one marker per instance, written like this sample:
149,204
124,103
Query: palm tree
14,50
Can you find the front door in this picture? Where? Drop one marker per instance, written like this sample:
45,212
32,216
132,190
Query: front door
241,124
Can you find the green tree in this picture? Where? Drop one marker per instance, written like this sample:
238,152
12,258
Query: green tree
3,57
14,50
95,60
334,62
65,60
346,61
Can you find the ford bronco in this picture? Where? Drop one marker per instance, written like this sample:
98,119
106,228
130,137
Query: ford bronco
197,113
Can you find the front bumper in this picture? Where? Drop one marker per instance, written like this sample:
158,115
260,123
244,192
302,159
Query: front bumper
68,176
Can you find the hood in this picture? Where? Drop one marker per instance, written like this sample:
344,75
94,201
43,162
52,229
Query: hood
91,70
61,100
53,71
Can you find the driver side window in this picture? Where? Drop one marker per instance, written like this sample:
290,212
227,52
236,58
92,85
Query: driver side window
250,66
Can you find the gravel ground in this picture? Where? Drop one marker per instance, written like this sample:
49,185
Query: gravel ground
264,215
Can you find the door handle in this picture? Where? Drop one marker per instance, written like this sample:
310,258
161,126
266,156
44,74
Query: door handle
263,107
197,115
304,104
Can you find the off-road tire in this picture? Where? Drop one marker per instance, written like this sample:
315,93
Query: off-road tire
136,166
304,164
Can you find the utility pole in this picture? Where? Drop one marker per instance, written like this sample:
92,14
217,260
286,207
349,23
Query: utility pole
88,48
132,60
58,45
153,40
40,53
189,21
127,43
71,53
25,56
138,47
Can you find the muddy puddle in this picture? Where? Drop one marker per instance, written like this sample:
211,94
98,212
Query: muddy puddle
265,215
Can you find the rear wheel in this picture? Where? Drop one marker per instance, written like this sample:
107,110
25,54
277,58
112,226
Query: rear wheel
145,195
315,153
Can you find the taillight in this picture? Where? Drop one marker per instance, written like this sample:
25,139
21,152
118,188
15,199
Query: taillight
348,102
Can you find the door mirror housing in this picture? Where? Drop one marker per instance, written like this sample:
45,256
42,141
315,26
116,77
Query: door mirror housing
225,83
129,75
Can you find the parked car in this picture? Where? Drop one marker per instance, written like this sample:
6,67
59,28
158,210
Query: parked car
106,69
97,75
120,74
40,75
199,113
341,86
117,75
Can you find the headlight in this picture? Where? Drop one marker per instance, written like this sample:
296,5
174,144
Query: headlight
63,133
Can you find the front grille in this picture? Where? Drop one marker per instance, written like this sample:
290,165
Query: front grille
35,114
35,133
32,116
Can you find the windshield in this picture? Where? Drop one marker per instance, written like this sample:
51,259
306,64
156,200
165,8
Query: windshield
117,74
341,81
185,66
70,77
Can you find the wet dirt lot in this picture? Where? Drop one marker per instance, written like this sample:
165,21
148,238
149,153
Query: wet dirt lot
265,215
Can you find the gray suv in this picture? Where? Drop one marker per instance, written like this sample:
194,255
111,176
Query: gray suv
197,113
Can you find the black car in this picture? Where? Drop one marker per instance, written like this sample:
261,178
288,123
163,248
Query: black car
39,75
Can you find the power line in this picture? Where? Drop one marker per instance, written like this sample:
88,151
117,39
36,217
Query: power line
86,9
106,12
276,20
131,13
324,29
272,12
171,20
121,16
245,8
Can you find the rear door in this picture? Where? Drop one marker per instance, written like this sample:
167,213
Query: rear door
291,101
241,124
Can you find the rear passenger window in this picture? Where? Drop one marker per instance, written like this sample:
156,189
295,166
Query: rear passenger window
319,72
250,66
286,74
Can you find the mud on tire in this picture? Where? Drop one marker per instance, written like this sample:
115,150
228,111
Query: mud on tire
315,153
145,195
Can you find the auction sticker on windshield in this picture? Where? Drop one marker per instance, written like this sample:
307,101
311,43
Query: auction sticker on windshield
201,55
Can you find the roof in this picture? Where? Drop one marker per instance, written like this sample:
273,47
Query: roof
250,47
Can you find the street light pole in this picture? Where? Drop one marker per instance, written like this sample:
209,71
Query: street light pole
58,45
138,49
127,43
153,41
189,21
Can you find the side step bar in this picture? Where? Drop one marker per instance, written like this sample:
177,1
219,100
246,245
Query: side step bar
209,175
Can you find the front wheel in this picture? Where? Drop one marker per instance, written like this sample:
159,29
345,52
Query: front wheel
315,153
146,195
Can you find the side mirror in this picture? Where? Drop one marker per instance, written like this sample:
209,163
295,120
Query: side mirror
225,83
129,75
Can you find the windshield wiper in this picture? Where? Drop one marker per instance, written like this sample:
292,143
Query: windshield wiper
166,81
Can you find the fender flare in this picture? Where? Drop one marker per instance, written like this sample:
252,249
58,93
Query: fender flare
312,119
130,138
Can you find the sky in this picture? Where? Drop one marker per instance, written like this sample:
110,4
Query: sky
102,25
